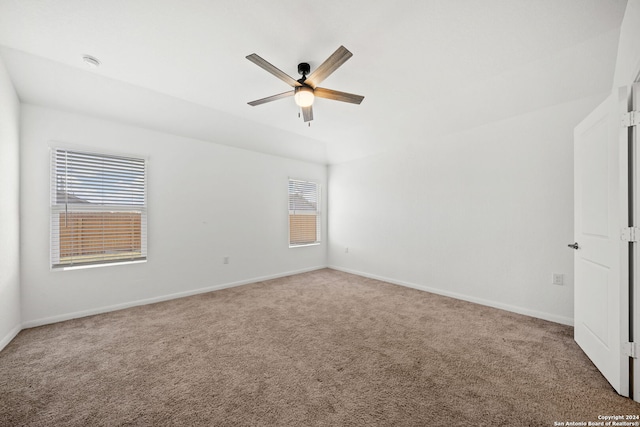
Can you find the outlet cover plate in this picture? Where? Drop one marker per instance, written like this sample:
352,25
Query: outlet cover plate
557,279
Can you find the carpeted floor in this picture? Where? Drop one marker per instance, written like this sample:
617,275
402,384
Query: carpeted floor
323,348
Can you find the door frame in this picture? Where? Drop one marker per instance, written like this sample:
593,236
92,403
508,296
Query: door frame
633,289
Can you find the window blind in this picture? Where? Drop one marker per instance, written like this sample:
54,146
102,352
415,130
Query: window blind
304,213
98,208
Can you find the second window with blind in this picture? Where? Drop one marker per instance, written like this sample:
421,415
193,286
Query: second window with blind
304,213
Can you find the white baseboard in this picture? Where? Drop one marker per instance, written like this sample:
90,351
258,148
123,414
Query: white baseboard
106,309
507,307
10,336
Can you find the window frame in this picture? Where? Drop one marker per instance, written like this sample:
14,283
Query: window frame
56,208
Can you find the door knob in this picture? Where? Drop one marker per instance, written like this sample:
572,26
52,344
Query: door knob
574,246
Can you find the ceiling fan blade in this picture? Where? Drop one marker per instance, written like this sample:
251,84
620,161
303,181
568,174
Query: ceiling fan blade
273,70
307,113
325,69
271,98
337,95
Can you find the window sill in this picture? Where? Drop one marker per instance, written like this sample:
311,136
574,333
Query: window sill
108,264
305,245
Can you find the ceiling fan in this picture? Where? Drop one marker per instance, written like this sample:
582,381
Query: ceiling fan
306,88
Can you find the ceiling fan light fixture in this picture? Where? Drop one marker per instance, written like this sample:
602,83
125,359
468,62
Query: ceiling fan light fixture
304,96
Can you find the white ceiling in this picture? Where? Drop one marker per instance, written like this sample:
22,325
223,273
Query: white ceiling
426,68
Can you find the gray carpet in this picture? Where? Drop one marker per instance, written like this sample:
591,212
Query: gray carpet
324,348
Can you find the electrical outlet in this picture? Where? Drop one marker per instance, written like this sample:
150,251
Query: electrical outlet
557,279
225,260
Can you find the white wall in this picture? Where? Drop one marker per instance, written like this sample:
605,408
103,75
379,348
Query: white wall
9,210
628,59
205,201
483,215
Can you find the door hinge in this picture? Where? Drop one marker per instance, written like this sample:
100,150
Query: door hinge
631,349
632,118
630,234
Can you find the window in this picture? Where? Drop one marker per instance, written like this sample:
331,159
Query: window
304,213
98,208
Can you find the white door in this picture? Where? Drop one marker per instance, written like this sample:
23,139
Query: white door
601,260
